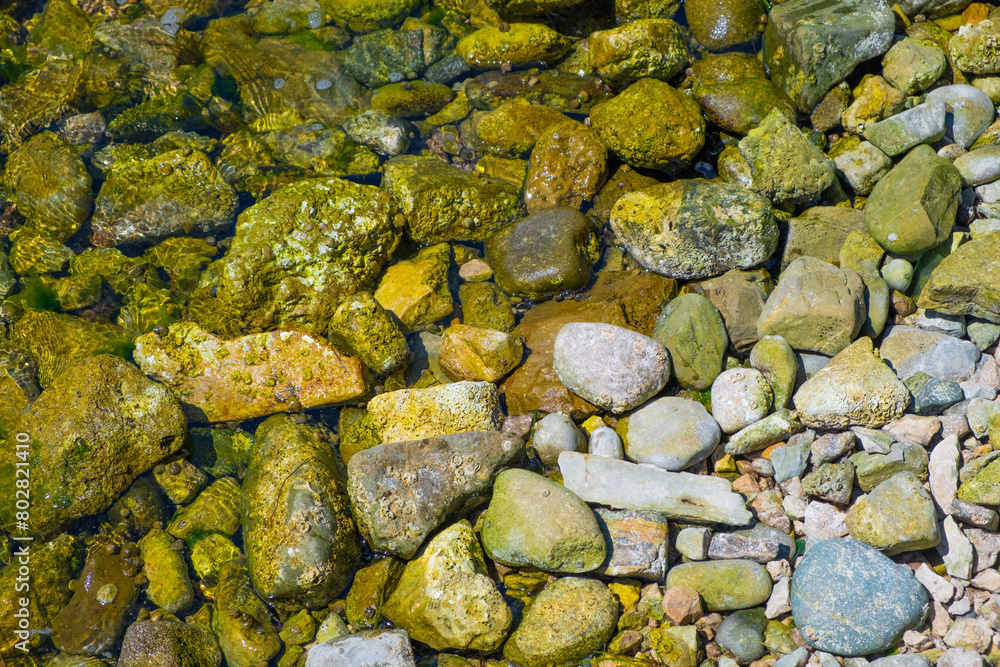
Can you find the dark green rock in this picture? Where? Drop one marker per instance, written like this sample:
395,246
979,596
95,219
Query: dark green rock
849,599
691,328
741,635
169,643
385,56
486,306
551,88
740,106
932,396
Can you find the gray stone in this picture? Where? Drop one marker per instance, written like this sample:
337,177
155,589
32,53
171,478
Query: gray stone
971,111
974,515
898,273
831,482
779,603
768,431
860,163
909,350
873,440
368,648
692,543
848,599
796,658
873,469
912,66
981,414
960,657
554,434
740,397
725,546
612,367
984,334
986,544
672,433
933,320
809,365
942,470
932,396
955,549
791,459
605,442
904,660
980,166
741,634
831,446
383,133
923,124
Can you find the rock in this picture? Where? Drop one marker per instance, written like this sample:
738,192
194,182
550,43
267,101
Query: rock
368,648
790,460
981,414
741,634
672,433
383,133
168,643
971,110
831,446
910,350
568,620
785,166
416,290
568,166
855,388
724,585
219,380
922,190
649,47
486,306
382,57
848,599
973,48
416,99
774,358
663,228
960,657
739,296
426,481
290,266
922,124
168,195
426,191
970,633
650,125
741,106
740,397
871,469
897,516
514,127
860,163
78,433
779,604
828,113
982,487
815,307
445,597
692,330
932,396
680,496
956,550
820,232
831,482
364,328
968,271
875,99
762,434
940,589
682,605
979,166
912,66
555,434
521,45
897,274
761,546
692,543
605,442
720,25
612,367
823,522
974,515
533,521
245,631
411,414
474,354
636,544
166,570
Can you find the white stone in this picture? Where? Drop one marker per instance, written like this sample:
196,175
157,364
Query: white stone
823,522
554,434
779,603
943,472
988,580
955,550
604,441
940,589
369,648
693,542
740,397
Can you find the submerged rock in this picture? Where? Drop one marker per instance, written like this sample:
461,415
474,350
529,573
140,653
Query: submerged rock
241,620
411,414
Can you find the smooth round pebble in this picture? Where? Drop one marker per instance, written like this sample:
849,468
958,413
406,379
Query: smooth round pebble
898,273
605,442
672,433
555,434
740,397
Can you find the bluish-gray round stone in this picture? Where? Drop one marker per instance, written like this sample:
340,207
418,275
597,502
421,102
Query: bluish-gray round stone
849,599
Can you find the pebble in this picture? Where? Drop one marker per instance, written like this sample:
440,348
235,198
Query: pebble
762,434
554,434
775,359
779,603
942,470
831,446
956,550
874,441
790,460
724,585
604,441
974,515
726,546
742,635
682,605
637,544
932,396
939,588
672,433
368,648
897,516
693,542
960,657
979,166
969,633
740,397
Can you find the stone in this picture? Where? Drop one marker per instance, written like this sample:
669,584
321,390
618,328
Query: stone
779,603
724,585
636,544
672,433
650,125
383,133
532,521
974,515
568,166
663,228
860,163
855,389
97,427
850,34
730,546
819,232
740,397
827,114
956,550
960,657
909,350
166,570
411,414
776,360
514,127
679,496
478,355
897,516
739,296
898,273
913,208
647,47
451,472
831,482
942,470
790,460
913,428
930,395
554,434
912,65
981,414
368,648
691,328
825,322
873,469
762,434
692,542
521,45
970,633
168,643
361,326
568,620
823,522
784,165
740,106
604,441
875,99
848,599
682,605
979,167
612,367
973,48
922,124
969,271
971,111
445,597
940,589
741,634
831,446
416,290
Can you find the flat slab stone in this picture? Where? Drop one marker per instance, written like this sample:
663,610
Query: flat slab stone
369,648
261,374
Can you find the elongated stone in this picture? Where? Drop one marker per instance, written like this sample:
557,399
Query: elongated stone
402,491
678,495
762,434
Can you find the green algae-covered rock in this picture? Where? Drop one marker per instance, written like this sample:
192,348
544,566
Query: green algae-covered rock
651,125
872,469
912,208
169,642
553,88
445,597
482,355
567,621
847,34
548,253
372,586
486,306
652,48
412,99
740,106
568,166
521,45
144,308
39,97
529,7
775,359
695,228
166,570
210,552
367,15
532,521
410,414
724,68
79,437
967,281
628,10
785,166
366,330
34,251
416,290
214,510
241,620
278,18
298,253
983,487
385,56
912,65
301,543
820,232
513,127
691,328
171,194
50,184
897,516
974,47
720,24
724,585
